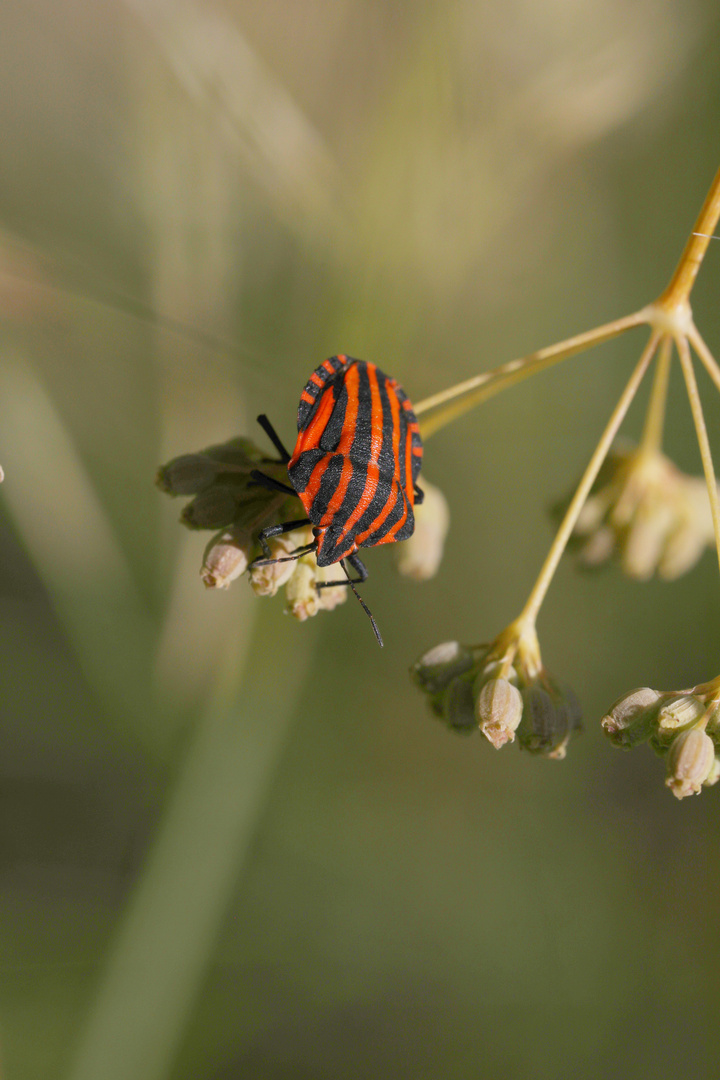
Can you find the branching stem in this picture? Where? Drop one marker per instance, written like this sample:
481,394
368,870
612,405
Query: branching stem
534,601
440,409
709,362
670,312
682,281
701,432
651,442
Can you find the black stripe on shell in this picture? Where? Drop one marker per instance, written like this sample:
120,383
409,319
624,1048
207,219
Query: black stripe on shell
307,409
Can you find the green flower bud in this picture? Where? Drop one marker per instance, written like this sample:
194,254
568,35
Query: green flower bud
238,451
188,474
630,720
568,707
690,762
543,728
436,668
458,707
226,558
212,509
658,744
435,701
498,709
253,510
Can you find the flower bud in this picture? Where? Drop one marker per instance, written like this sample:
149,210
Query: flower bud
630,720
566,700
498,710
188,474
690,762
266,580
598,548
302,596
714,775
329,598
682,550
267,577
713,724
645,540
436,668
226,558
254,510
568,709
214,508
543,728
591,515
237,451
643,506
420,556
457,706
679,711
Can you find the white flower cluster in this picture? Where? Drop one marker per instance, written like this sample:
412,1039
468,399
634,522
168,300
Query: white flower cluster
682,727
654,517
470,689
224,497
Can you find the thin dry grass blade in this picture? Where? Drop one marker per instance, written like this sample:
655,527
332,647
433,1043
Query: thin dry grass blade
164,945
72,543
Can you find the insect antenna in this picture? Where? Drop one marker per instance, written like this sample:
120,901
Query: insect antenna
273,437
261,479
365,608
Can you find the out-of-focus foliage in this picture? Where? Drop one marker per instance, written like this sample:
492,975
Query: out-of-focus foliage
233,846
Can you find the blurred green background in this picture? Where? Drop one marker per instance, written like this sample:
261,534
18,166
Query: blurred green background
233,846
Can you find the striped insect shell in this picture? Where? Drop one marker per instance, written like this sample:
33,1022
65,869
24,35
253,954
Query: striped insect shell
357,458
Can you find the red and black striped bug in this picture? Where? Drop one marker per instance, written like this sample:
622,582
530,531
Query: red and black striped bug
354,467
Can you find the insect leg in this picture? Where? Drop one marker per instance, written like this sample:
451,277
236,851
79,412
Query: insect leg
260,479
304,550
419,495
278,530
274,437
358,566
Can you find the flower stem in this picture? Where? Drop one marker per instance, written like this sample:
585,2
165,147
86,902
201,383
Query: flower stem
440,409
651,441
682,281
710,363
701,432
534,601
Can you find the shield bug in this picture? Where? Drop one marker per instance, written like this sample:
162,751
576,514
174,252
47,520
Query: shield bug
354,467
